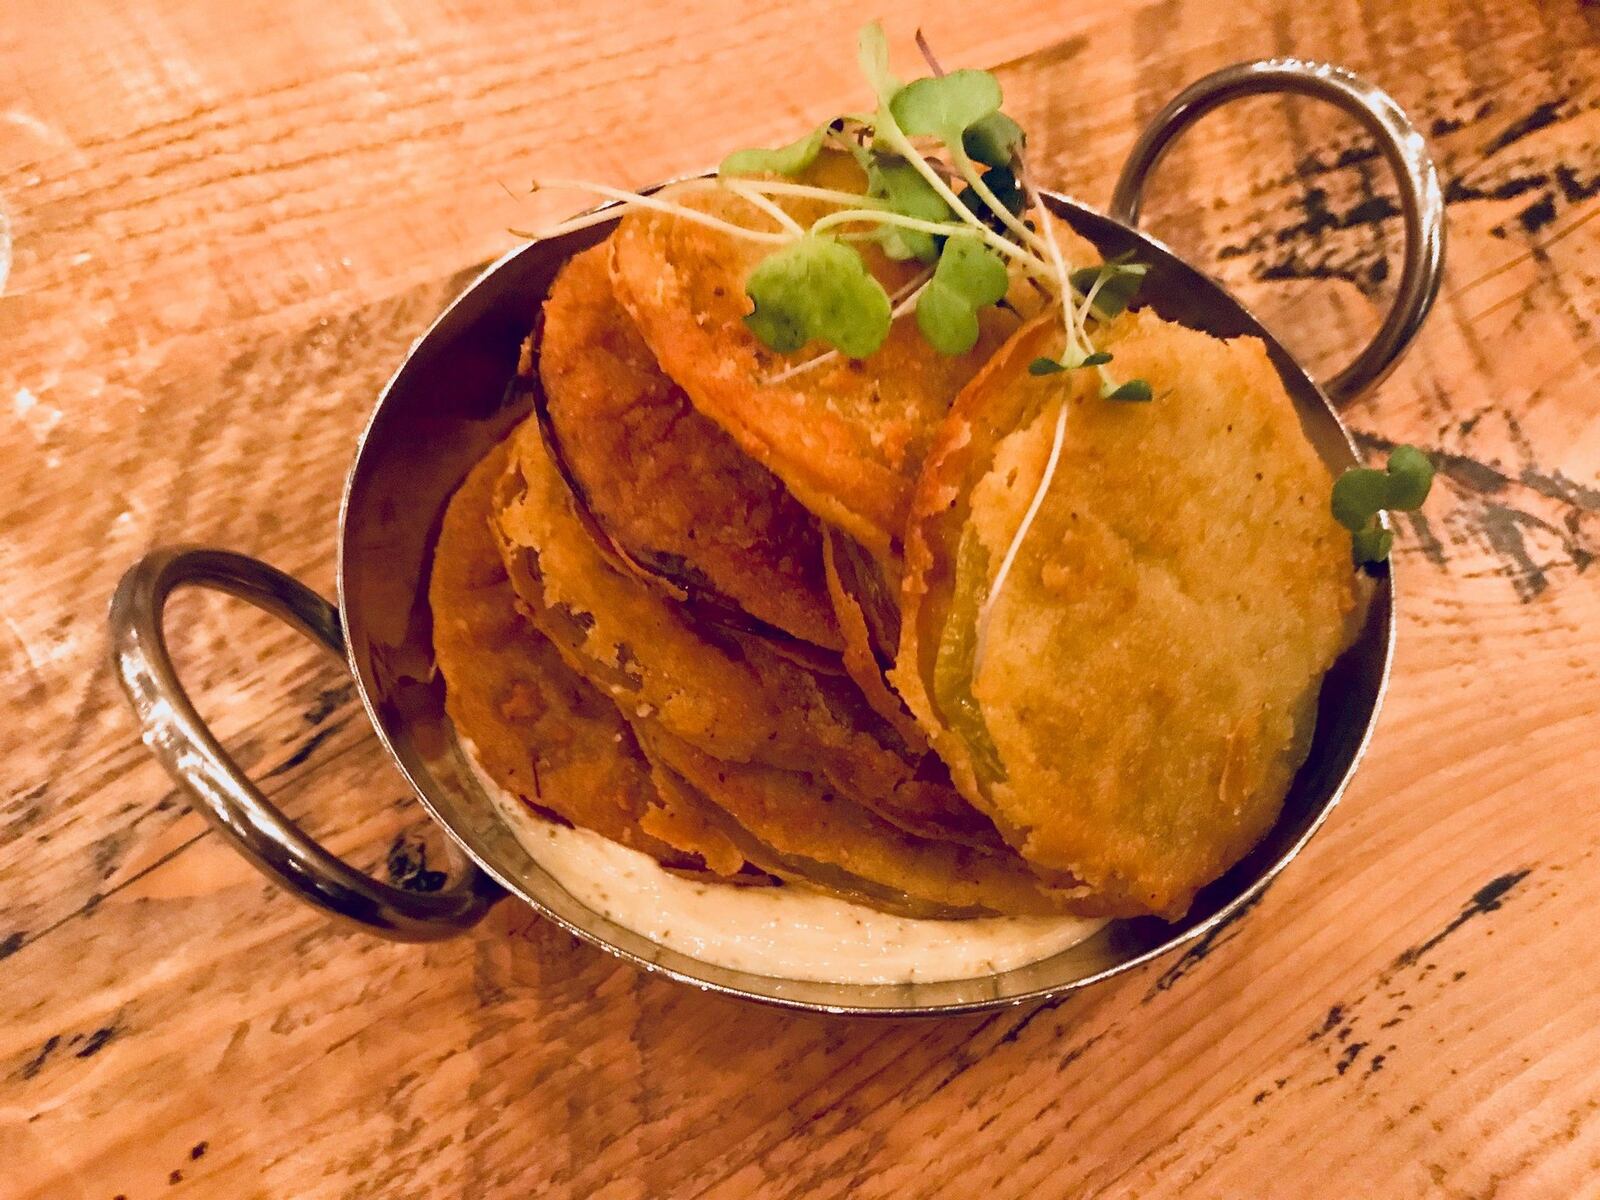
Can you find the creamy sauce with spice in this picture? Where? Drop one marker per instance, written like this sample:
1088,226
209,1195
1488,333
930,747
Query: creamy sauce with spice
788,931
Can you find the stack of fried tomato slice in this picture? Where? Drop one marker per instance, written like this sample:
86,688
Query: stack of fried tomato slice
745,619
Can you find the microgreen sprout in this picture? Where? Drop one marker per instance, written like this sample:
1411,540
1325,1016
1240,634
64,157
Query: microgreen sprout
969,277
783,160
817,288
1050,366
1361,493
1109,288
942,162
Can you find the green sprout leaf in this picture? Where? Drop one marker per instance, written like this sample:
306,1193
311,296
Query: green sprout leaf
1135,391
973,270
892,179
946,319
1122,280
817,288
781,160
993,141
968,277
1049,366
1410,478
1358,494
946,106
872,53
1361,493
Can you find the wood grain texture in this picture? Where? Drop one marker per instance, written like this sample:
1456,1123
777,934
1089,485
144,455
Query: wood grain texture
229,221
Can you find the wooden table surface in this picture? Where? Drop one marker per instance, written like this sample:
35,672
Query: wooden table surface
229,221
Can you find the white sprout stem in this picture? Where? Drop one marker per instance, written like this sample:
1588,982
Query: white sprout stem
801,368
1068,310
801,191
784,220
908,300
974,178
848,216
1106,381
1088,300
904,300
987,610
635,200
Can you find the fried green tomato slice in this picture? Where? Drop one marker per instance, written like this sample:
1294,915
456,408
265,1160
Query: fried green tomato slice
1133,705
799,828
536,727
670,487
735,698
846,436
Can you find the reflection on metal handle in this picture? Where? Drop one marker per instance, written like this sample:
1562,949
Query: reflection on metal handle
193,757
1420,199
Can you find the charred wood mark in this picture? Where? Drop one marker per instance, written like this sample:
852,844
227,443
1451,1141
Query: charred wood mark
1218,935
35,1064
1508,530
1538,214
1487,899
1320,239
1542,117
328,700
1348,1058
92,1044
1337,1031
305,751
1039,1010
1331,1022
11,943
1422,533
1077,1052
407,864
96,1041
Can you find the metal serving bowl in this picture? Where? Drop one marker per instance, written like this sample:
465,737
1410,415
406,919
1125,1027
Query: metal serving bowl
449,403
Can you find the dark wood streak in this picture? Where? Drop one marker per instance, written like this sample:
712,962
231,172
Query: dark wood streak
1510,530
1487,899
1335,1031
1213,939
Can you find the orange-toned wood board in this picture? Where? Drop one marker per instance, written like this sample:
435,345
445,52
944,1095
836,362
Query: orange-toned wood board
227,224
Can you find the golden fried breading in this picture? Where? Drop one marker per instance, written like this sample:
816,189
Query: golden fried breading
860,654
537,728
1144,689
806,831
846,436
735,698
670,487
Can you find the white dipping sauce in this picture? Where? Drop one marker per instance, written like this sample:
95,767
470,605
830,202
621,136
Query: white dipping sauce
787,931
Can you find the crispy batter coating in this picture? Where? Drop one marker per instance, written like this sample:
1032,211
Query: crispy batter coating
666,483
850,607
733,698
1147,680
538,729
802,829
846,436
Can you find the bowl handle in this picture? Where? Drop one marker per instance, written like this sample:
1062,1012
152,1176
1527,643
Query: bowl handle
217,787
1421,201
